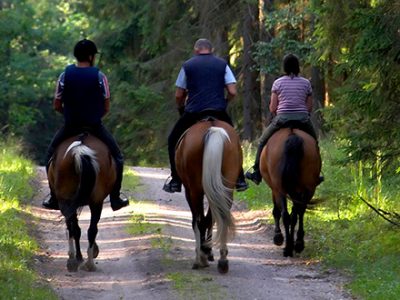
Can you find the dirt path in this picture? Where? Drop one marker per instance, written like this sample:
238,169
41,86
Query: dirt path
158,266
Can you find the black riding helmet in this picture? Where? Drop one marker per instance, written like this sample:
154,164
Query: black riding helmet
83,49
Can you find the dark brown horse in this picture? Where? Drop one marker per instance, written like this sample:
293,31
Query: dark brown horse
82,172
209,160
291,164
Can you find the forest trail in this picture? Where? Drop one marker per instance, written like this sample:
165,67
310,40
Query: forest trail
158,266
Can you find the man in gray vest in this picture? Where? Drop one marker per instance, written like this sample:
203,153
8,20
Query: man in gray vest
200,93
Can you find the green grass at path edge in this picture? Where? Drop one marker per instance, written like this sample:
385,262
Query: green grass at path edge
341,231
17,249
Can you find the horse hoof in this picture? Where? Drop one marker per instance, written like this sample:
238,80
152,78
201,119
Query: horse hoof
95,250
195,266
223,266
299,247
278,239
88,267
287,253
72,265
210,257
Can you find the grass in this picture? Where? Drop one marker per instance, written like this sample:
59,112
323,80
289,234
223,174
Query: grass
342,231
17,248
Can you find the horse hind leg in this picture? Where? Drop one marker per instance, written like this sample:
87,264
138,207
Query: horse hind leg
74,254
201,259
278,236
223,263
93,249
299,244
207,245
288,250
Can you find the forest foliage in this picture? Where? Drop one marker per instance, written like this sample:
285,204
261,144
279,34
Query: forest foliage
349,49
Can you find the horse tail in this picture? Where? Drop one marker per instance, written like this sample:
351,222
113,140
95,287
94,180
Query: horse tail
219,196
86,167
293,154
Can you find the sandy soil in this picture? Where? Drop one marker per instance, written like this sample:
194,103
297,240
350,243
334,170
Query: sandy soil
135,267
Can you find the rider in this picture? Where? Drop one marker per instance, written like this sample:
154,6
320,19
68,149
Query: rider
202,80
291,100
83,97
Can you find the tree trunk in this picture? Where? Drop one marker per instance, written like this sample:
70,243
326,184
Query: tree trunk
251,90
318,85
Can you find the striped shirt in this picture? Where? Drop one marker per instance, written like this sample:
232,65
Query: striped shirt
103,82
292,94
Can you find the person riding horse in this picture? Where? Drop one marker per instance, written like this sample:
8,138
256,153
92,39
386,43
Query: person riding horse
291,103
83,97
200,93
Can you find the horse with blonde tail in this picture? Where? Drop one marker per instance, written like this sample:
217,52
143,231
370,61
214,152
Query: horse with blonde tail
209,160
82,172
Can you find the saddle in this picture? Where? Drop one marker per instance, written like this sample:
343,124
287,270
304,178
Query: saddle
205,119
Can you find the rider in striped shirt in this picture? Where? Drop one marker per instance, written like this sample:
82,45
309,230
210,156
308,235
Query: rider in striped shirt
291,100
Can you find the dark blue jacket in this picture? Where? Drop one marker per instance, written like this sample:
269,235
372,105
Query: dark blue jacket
205,79
82,96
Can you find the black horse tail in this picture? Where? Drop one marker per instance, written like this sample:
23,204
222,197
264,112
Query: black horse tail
293,154
87,168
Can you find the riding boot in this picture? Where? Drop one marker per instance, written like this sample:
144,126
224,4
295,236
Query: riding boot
256,175
241,184
175,184
51,202
115,199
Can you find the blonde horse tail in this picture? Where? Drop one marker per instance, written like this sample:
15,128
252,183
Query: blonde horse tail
86,167
219,196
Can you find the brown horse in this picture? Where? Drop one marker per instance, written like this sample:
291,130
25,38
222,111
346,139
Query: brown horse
82,172
291,164
209,160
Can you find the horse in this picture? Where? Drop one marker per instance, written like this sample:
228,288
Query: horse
290,164
208,161
82,172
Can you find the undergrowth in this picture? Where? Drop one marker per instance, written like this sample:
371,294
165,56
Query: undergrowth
17,248
341,230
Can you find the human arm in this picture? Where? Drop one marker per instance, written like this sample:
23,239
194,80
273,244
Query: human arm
230,84
105,88
180,98
309,103
181,91
273,104
57,105
57,102
231,88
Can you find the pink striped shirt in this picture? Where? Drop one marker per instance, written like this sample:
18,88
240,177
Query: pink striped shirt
292,94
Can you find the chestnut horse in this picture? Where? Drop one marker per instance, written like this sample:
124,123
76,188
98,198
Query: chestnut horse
82,172
209,160
290,164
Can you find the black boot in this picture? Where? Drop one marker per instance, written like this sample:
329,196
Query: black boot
256,175
241,184
51,202
117,202
115,199
175,185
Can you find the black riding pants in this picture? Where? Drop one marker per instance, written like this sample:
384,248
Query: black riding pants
185,121
102,134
